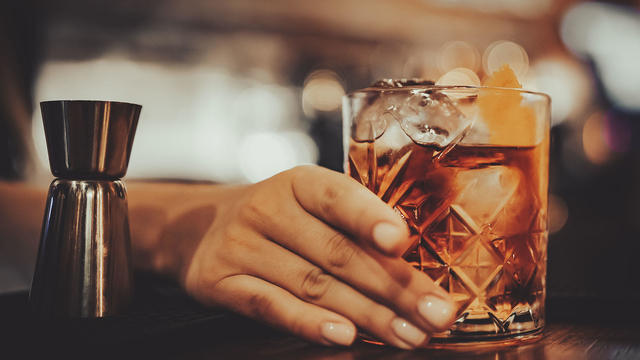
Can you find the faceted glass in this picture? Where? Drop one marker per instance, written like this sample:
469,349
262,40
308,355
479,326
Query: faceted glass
467,169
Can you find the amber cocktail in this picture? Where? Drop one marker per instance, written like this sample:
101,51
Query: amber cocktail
467,169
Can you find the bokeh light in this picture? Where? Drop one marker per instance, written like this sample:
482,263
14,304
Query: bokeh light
618,133
594,141
421,64
566,82
521,8
458,54
505,52
262,155
198,114
459,76
528,8
265,106
322,91
558,213
608,35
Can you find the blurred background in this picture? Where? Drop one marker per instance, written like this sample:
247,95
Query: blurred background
236,91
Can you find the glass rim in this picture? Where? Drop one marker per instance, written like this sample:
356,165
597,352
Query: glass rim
367,90
87,101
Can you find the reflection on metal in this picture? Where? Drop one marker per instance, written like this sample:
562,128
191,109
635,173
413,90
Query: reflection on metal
89,139
84,261
84,264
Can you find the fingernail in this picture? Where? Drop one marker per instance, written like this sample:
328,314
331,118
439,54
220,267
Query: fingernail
337,333
407,332
386,236
437,311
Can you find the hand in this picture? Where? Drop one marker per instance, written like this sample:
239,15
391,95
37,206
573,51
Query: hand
313,252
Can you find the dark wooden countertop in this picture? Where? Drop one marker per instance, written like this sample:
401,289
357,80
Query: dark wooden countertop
164,323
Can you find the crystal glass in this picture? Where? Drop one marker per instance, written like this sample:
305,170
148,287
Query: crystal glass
467,169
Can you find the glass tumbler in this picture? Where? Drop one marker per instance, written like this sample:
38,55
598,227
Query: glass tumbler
467,169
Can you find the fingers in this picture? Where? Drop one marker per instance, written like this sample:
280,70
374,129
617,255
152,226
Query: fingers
389,281
260,300
342,202
309,283
380,293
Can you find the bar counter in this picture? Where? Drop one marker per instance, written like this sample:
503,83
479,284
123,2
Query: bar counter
164,323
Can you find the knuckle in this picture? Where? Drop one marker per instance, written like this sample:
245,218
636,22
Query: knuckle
340,250
255,210
330,197
259,306
405,274
376,317
233,233
298,173
302,169
236,243
401,273
299,176
315,285
305,168
232,243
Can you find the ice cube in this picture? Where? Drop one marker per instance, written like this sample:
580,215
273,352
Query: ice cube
485,192
431,118
521,214
394,138
370,121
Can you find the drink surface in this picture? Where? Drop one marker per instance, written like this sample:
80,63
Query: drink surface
478,221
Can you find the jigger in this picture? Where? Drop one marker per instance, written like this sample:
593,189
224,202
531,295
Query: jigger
84,259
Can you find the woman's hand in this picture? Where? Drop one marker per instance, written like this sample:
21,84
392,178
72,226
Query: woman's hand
308,250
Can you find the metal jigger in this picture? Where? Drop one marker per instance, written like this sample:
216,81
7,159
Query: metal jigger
84,260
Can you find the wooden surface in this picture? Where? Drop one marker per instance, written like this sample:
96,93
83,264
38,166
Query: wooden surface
163,323
560,341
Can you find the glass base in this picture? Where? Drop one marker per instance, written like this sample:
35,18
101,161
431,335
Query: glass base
479,342
475,342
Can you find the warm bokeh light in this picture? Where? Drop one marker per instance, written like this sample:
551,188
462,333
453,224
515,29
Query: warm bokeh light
322,91
459,76
576,25
505,52
528,8
458,54
608,35
603,136
262,155
558,213
520,8
264,106
234,92
192,119
618,134
594,141
568,84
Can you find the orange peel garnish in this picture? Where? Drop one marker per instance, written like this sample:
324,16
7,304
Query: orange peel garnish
510,122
